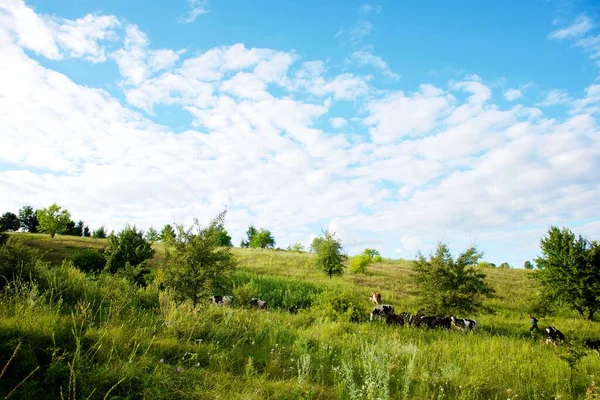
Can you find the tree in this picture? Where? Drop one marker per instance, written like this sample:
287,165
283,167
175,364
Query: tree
99,233
223,239
167,233
528,265
128,248
262,239
504,265
314,246
330,258
86,231
569,271
9,222
250,233
28,219
152,234
360,263
53,220
448,286
196,266
296,248
74,229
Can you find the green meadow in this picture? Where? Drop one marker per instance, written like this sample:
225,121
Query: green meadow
74,336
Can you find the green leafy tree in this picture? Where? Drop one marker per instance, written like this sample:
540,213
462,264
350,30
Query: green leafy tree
128,248
262,239
9,222
250,233
314,246
504,265
528,265
330,256
53,220
296,248
86,231
28,219
448,286
99,233
485,264
167,233
196,266
74,229
223,239
569,271
152,234
360,264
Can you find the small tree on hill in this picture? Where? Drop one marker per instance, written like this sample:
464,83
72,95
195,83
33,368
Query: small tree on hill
448,286
28,219
249,235
330,256
196,266
314,246
262,239
128,248
528,265
167,233
569,271
359,264
9,222
99,233
223,239
504,265
86,231
296,248
53,220
152,235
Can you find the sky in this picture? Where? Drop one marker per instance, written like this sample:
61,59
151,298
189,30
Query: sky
397,125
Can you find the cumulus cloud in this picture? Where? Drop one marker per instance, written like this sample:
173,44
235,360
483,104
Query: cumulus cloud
437,162
364,57
512,94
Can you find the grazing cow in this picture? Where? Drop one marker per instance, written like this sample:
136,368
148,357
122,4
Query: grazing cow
593,345
554,335
294,309
375,298
463,324
381,310
221,300
398,319
424,320
260,304
442,322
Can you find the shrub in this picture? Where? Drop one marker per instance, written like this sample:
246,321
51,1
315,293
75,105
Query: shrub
90,261
340,306
17,262
359,264
242,294
129,247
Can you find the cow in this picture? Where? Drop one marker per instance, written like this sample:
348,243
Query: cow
398,319
375,298
294,310
463,324
381,310
221,300
593,345
260,304
442,322
554,335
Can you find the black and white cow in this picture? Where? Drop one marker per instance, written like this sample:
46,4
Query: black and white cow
221,300
593,345
294,309
554,335
463,324
260,304
381,310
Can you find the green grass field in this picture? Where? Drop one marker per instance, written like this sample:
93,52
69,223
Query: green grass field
99,337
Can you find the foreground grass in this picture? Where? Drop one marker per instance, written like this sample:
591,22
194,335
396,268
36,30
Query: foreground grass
103,338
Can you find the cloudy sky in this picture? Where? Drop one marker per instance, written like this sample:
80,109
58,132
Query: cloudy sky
395,124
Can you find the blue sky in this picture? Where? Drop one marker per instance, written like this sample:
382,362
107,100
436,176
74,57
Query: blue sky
395,124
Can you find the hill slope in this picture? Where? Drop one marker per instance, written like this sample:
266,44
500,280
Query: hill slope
122,333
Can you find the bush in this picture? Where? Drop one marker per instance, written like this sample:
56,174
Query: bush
90,261
129,247
342,306
17,262
242,294
360,264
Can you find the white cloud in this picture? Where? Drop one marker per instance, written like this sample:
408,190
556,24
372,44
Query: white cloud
364,57
338,122
56,38
580,27
196,8
555,97
512,94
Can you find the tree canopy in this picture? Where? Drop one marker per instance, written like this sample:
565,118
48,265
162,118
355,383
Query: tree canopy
53,220
128,248
196,265
448,286
256,238
28,219
330,256
167,233
9,222
569,271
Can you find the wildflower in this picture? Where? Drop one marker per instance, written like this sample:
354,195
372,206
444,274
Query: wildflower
179,369
162,360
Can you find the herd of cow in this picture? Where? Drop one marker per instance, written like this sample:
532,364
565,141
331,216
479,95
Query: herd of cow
553,336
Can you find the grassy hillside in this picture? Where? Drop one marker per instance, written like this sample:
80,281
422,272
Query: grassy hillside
100,337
